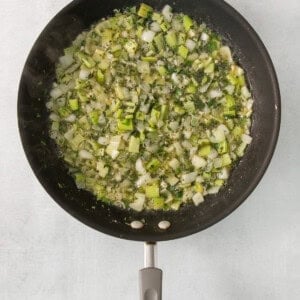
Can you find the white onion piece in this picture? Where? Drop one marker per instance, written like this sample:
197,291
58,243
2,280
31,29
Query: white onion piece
218,162
155,27
178,148
85,154
102,140
213,190
247,139
148,36
56,92
138,204
175,78
173,125
198,198
54,117
204,37
245,92
190,44
213,154
139,167
71,118
188,178
198,162
66,60
69,134
167,13
84,74
214,94
174,164
172,180
224,174
230,89
226,53
144,179
187,145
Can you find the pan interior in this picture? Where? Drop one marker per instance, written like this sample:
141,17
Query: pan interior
36,82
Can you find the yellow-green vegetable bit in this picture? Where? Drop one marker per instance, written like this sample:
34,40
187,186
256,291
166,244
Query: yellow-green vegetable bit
149,110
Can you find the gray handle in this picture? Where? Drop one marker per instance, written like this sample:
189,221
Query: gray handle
150,277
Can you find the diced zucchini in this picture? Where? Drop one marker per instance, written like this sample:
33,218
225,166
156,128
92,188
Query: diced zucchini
158,203
219,182
64,112
183,51
187,22
191,89
226,160
171,39
125,125
149,58
94,117
73,104
144,10
204,150
100,77
152,191
153,165
222,147
159,42
134,144
198,187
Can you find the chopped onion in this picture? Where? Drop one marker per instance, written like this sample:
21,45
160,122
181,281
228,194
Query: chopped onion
155,27
138,204
204,37
226,53
54,117
190,44
66,60
187,145
198,198
175,78
167,13
188,178
213,154
198,162
230,89
247,139
174,164
56,92
218,162
69,134
224,174
85,154
172,180
214,94
142,180
213,190
71,118
84,74
102,140
173,125
139,167
245,92
148,36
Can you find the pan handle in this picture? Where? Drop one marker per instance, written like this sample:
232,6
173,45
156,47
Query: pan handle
150,277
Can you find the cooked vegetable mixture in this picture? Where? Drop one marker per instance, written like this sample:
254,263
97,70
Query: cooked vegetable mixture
149,110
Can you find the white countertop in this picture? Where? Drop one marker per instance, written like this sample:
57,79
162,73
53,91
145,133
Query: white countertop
252,254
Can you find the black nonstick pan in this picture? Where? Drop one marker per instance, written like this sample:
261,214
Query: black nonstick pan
39,74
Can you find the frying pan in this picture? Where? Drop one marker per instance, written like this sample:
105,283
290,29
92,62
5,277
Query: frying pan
36,81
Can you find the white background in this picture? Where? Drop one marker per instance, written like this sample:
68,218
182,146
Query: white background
252,254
